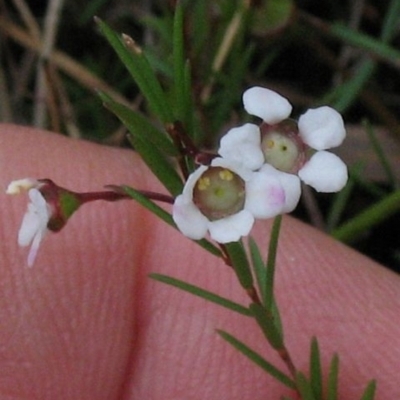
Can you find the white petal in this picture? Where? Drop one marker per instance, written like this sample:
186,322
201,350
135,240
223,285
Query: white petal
190,221
266,104
291,186
35,219
322,128
35,247
243,145
231,229
21,185
325,172
30,225
265,196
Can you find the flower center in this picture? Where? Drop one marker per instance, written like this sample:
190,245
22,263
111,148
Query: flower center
219,193
281,146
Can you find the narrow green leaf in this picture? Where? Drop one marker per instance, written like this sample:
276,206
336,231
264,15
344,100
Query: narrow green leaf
189,118
152,156
139,125
277,318
272,251
349,91
332,387
369,393
259,268
266,322
166,217
179,64
345,94
304,387
204,294
376,46
315,369
391,23
211,248
140,69
150,205
159,165
257,359
240,263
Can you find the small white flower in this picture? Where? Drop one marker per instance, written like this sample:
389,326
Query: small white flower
320,129
34,224
258,202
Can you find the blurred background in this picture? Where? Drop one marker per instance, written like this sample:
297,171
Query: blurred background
343,53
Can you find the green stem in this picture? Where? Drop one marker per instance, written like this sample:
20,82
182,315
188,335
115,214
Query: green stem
272,251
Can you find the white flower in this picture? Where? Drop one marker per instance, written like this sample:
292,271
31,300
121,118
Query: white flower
34,223
259,201
36,218
320,129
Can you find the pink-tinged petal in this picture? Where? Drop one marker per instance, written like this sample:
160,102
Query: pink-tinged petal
325,172
243,146
231,229
266,104
291,185
265,196
189,220
322,128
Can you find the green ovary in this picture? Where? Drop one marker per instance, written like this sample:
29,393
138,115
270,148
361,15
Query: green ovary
279,151
219,193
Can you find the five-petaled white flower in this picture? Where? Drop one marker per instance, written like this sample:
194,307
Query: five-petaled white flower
285,144
224,199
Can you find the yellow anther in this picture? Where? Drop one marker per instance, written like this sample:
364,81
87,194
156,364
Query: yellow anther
270,144
226,175
203,183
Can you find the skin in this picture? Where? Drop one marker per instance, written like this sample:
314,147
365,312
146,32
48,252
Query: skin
85,322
